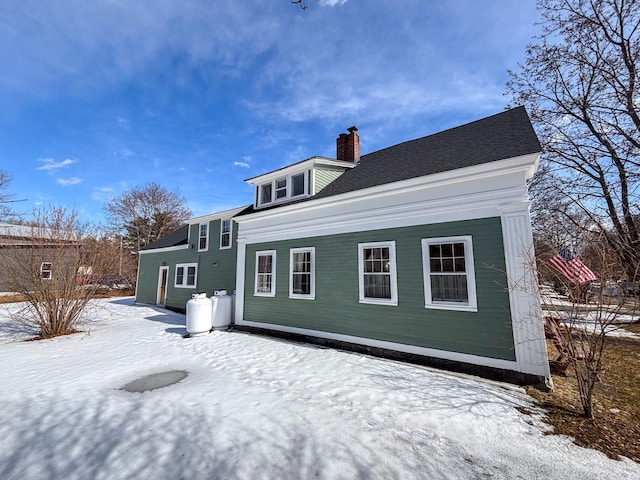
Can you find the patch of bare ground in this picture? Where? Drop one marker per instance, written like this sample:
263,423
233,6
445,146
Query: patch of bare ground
616,429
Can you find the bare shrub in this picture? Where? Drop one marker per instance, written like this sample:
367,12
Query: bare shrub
579,326
55,266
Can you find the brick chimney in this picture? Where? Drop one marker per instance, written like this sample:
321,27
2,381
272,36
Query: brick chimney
348,145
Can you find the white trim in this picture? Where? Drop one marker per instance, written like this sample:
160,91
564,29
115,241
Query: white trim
312,288
164,249
159,287
524,299
232,212
206,237
521,166
421,201
294,168
49,270
272,293
230,233
185,267
401,347
472,303
241,255
393,279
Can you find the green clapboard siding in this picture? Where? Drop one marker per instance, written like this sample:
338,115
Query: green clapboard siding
216,269
336,307
325,177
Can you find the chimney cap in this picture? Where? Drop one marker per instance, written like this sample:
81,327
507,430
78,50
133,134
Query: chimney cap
352,129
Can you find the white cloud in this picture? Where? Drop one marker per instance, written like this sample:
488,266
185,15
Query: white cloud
242,164
69,181
331,3
50,164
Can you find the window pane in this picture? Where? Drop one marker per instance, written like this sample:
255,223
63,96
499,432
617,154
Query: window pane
302,283
435,265
264,282
458,249
265,193
459,265
226,240
447,264
179,275
297,184
226,226
264,264
447,250
191,275
449,288
281,188
434,251
377,286
302,262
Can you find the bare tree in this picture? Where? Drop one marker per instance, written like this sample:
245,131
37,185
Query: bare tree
6,199
144,214
580,324
580,85
52,264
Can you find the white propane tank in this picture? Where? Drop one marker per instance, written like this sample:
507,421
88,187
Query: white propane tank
221,309
198,314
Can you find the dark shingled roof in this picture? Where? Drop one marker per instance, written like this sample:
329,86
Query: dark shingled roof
173,239
501,136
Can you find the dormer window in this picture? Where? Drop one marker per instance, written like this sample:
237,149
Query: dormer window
285,188
281,188
265,193
297,184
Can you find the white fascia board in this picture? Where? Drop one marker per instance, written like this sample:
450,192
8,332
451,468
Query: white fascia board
524,165
401,347
164,249
226,214
474,195
300,167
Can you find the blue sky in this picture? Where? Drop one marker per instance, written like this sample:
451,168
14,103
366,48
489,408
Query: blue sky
102,95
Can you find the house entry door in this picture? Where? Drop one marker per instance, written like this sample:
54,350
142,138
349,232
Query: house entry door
162,286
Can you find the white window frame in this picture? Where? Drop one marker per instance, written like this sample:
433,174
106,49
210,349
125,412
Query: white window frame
312,283
185,276
393,277
288,189
472,304
304,184
272,293
280,192
260,194
46,273
229,233
201,237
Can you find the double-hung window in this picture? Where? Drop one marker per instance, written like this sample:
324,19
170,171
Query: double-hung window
302,273
225,234
377,273
281,188
45,271
186,275
265,283
449,278
203,239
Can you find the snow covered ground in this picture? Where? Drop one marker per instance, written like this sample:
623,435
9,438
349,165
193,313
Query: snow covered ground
258,408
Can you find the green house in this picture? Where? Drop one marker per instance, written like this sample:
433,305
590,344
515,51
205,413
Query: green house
422,250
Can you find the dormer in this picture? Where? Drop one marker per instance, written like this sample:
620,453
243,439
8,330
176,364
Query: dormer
308,177
294,182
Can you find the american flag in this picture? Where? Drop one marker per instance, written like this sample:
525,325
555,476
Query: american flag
571,267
